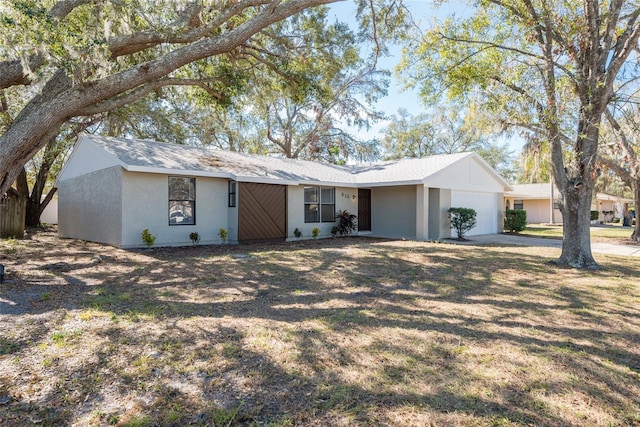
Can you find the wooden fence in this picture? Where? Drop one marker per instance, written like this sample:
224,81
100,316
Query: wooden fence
12,214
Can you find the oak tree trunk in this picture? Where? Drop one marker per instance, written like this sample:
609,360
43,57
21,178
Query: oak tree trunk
576,227
635,186
576,184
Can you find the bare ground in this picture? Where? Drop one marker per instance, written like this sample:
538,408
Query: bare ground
332,332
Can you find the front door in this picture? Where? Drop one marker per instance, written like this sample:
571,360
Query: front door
364,209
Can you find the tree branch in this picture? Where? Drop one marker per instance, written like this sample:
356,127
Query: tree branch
62,8
127,45
624,144
145,89
16,73
508,49
44,114
625,44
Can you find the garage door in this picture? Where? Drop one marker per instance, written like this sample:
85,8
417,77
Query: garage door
262,212
486,207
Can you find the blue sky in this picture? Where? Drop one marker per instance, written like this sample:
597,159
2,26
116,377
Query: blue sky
425,13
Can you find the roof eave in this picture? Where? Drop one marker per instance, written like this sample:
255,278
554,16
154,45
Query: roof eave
179,172
390,183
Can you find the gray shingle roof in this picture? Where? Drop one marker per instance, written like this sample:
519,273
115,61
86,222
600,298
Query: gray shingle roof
543,191
151,156
532,191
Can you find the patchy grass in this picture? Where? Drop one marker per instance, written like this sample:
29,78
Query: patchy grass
598,232
333,332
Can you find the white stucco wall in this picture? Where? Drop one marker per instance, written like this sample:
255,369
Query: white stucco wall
50,213
146,205
86,158
538,211
486,207
393,211
90,206
344,198
466,175
609,206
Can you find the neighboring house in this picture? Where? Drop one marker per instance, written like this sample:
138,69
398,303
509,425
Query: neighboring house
537,200
50,213
111,189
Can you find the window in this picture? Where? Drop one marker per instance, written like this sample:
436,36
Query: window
319,204
328,204
518,205
232,194
182,201
311,204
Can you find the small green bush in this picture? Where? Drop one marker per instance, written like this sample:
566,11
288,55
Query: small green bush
297,233
315,232
223,234
195,237
515,221
147,238
462,220
595,215
334,230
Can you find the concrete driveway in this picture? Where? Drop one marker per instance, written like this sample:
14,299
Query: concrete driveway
508,239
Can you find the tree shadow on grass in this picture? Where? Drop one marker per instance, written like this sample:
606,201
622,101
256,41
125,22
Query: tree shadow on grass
343,331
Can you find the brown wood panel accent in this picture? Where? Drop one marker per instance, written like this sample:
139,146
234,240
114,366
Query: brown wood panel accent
262,211
364,209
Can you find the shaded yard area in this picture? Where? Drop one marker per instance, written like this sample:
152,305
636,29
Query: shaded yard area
334,332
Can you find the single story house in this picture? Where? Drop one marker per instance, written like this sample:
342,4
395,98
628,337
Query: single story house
539,199
111,189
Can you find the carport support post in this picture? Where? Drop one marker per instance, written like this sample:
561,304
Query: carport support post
439,203
422,212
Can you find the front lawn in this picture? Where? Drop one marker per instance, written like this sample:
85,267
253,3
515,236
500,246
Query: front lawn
336,332
607,232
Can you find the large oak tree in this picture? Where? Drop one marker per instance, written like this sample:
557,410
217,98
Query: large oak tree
72,58
554,67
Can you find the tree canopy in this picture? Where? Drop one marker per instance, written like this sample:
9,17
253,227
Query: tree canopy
449,129
73,58
550,67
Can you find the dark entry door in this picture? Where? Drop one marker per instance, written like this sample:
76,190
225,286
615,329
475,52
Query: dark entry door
364,209
262,211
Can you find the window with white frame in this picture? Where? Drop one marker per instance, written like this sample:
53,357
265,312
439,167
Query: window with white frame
319,204
327,204
182,200
518,205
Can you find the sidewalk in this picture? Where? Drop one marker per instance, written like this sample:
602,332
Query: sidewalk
509,239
